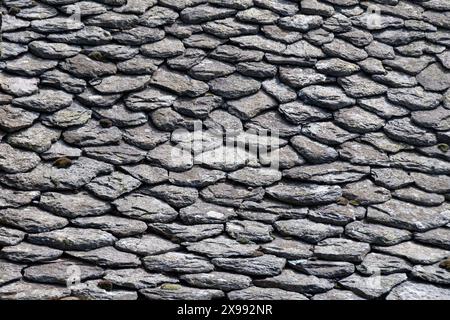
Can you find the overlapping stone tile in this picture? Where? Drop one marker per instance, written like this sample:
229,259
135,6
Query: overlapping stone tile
345,198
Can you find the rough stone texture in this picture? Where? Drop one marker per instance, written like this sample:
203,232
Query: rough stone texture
238,149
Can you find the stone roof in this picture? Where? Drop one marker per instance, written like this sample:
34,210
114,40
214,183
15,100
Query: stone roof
106,191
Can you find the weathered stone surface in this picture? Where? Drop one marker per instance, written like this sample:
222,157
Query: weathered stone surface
145,136
405,130
84,67
333,173
304,194
434,274
327,132
273,121
255,177
56,272
10,272
145,208
17,85
46,177
177,262
416,253
363,154
358,120
377,263
31,219
411,161
37,138
107,257
323,269
14,160
434,78
341,250
14,118
118,155
30,253
230,195
419,197
337,214
289,249
293,281
222,247
180,232
146,245
112,186
306,230
368,288
249,231
365,192
179,83
47,100
256,293
415,98
410,290
342,49
321,172
137,278
409,216
218,280
300,77
300,113
178,292
121,83
73,239
313,151
384,143
73,205
22,290
92,290
329,97
359,86
437,237
176,196
29,65
266,265
170,157
234,86
75,115
204,212
376,234
336,294
196,177
10,237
